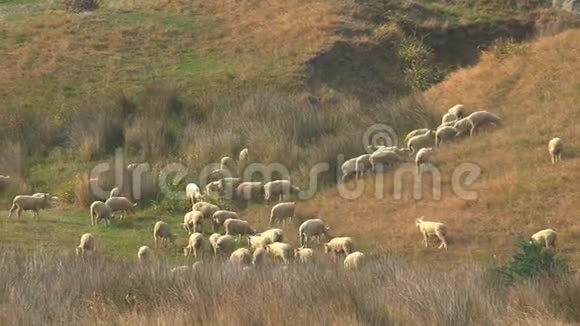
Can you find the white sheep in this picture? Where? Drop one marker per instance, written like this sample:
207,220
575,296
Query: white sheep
458,110
250,191
144,254
421,141
87,245
282,212
194,245
416,132
115,192
257,241
348,168
243,159
312,228
432,229
228,163
121,204
339,245
192,221
362,165
423,157
354,261
100,211
447,124
279,188
476,120
241,257
205,208
275,235
555,147
385,159
225,187
162,232
445,134
280,250
29,203
545,238
213,241
238,227
225,245
304,255
448,117
193,193
219,217
258,256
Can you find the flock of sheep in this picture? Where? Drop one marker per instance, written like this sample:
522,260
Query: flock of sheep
230,233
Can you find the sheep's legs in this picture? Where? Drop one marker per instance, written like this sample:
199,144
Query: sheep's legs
12,209
425,240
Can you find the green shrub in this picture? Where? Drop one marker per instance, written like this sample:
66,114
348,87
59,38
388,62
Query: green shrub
534,261
81,5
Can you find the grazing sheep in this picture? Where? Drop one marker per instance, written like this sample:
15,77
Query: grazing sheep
29,203
259,256
416,132
423,157
238,227
421,141
87,245
228,163
279,188
385,159
348,168
280,250
545,237
555,147
213,241
458,110
362,165
192,221
100,211
354,260
476,120
115,192
448,117
282,212
205,208
194,245
224,187
312,228
339,245
121,204
445,134
193,193
304,255
257,241
144,254
432,229
161,231
275,235
250,191
225,245
219,217
241,257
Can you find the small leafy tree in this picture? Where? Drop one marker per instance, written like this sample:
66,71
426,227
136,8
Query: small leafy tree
534,261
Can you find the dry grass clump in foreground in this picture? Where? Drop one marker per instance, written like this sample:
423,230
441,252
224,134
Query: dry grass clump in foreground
38,288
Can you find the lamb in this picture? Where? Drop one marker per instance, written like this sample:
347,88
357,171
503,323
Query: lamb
348,168
305,255
144,254
238,227
87,245
193,193
555,147
275,235
250,191
192,221
354,260
280,250
219,217
282,212
362,165
423,157
312,228
545,237
416,132
194,245
339,245
162,232
259,256
445,134
121,204
257,241
213,241
115,192
385,159
458,110
476,120
205,208
421,141
241,257
432,229
280,189
448,117
100,211
29,203
225,245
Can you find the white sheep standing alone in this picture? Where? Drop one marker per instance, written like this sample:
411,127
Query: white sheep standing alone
423,157
194,245
445,134
312,228
162,232
144,254
545,237
354,260
241,257
282,212
192,221
87,245
193,193
555,147
432,229
421,141
280,250
304,255
121,204
100,211
29,203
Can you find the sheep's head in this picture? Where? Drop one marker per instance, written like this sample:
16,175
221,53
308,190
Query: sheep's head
419,221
